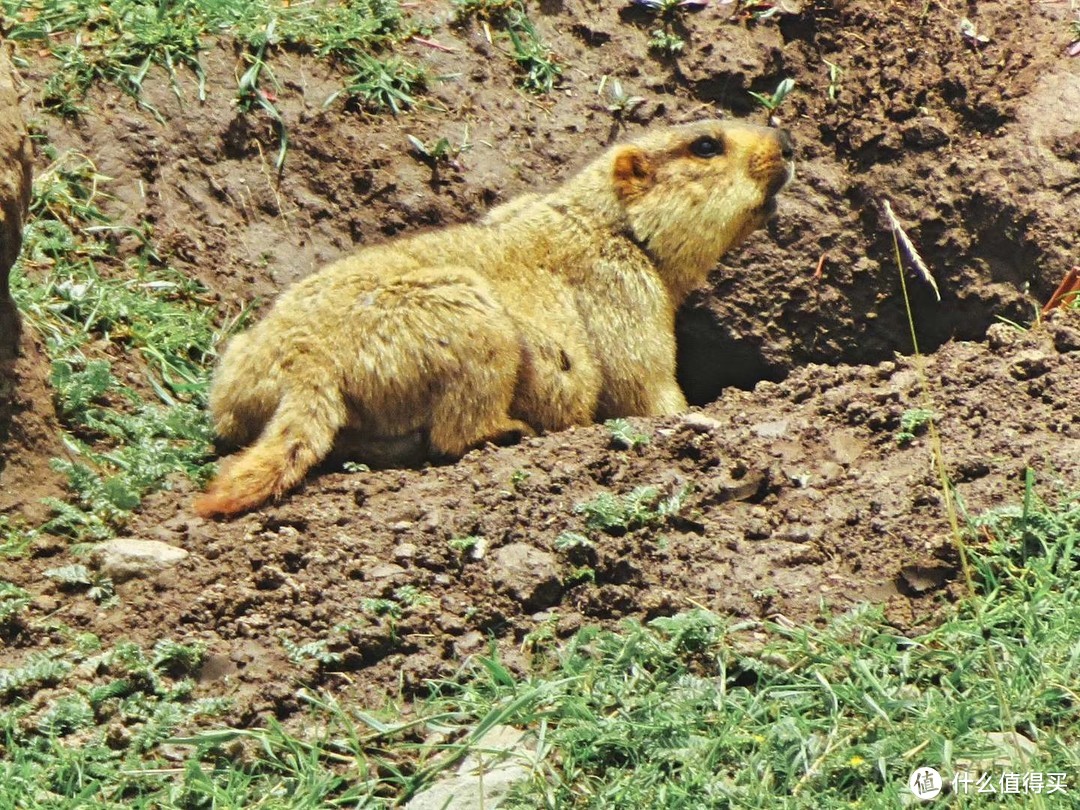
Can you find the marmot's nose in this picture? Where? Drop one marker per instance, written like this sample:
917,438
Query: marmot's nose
787,146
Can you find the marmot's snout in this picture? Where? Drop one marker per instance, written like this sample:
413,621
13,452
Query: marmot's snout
782,168
787,146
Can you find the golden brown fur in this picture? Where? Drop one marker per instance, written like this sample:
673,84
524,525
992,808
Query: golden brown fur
556,310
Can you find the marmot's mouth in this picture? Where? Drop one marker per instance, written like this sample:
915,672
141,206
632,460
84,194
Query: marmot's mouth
779,182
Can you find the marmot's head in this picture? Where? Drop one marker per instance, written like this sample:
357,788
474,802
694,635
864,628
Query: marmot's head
690,193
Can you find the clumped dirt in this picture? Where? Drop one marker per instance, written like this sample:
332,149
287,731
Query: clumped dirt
797,492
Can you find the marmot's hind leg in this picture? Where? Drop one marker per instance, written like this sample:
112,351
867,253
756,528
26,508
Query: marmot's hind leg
245,393
473,406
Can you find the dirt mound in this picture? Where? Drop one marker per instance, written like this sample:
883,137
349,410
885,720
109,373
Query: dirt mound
793,493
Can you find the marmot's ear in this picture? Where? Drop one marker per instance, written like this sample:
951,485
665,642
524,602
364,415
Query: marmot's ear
633,173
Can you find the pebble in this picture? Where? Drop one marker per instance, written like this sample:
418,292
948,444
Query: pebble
127,558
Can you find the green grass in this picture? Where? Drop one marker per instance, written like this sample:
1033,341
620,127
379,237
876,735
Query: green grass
93,741
104,300
689,711
122,41
538,65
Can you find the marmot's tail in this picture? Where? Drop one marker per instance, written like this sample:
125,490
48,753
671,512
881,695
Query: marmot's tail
298,436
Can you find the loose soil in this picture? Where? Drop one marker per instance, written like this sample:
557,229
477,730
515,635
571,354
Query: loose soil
801,499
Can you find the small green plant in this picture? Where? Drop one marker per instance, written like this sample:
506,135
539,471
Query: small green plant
404,598
644,506
583,573
119,445
381,83
409,596
317,650
569,541
99,587
381,607
15,537
39,669
13,601
625,435
666,39
121,41
667,42
836,75
442,151
177,659
353,467
543,637
65,716
533,56
620,103
913,422
466,546
484,9
773,101
250,94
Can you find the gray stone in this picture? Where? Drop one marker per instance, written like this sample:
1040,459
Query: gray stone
485,776
700,423
127,558
528,574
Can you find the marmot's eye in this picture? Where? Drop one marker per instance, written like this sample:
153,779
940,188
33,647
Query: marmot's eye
707,147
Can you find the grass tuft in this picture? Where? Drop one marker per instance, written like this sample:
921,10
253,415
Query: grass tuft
121,42
107,305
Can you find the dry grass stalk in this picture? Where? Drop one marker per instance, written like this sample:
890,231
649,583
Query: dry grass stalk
909,248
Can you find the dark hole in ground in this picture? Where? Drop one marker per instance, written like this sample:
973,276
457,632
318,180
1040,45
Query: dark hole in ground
712,357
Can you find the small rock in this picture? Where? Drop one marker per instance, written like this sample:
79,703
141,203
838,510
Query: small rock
469,643
739,484
45,604
216,667
479,549
269,578
1001,336
920,579
528,574
200,532
1029,364
771,430
384,571
405,552
1066,336
483,779
846,446
127,558
700,423
925,133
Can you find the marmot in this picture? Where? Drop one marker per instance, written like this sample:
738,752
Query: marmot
557,310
